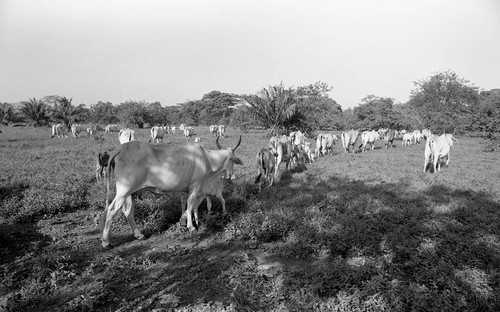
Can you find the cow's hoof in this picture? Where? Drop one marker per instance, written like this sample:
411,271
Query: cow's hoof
192,229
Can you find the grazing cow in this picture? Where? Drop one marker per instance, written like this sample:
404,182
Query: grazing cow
197,140
173,129
59,130
188,132
157,134
349,138
221,130
369,137
102,161
126,135
214,129
327,142
182,127
266,162
140,166
437,147
407,139
111,128
283,149
426,133
389,136
75,130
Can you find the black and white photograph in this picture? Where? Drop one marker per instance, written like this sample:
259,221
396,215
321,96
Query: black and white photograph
264,155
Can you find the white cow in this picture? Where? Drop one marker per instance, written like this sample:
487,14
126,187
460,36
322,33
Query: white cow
266,162
349,138
188,132
157,134
111,128
426,133
214,129
437,147
159,168
75,130
126,135
369,137
417,136
308,151
221,129
327,142
59,130
407,139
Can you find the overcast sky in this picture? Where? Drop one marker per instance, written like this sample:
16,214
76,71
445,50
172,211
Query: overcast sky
174,51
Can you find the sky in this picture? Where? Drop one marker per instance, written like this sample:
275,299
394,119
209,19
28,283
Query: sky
175,51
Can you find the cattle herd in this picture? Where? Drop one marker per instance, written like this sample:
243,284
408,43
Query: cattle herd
189,168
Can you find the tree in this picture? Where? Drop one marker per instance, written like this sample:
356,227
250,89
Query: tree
487,117
133,113
316,109
8,114
36,112
275,107
215,108
190,112
444,102
64,111
104,113
157,115
374,113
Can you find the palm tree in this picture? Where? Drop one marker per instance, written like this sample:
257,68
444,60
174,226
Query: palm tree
275,107
64,111
35,111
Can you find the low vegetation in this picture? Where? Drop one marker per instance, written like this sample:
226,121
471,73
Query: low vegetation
350,232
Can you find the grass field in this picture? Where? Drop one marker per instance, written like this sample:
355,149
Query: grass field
350,232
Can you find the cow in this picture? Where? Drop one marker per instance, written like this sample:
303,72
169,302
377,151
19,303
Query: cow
92,130
437,147
111,128
349,138
221,129
369,137
319,147
188,132
266,162
297,138
197,140
389,137
407,139
327,142
157,134
308,152
417,136
182,127
173,129
59,130
426,133
214,129
102,161
140,166
283,149
126,135
75,130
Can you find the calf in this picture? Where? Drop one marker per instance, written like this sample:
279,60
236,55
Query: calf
102,161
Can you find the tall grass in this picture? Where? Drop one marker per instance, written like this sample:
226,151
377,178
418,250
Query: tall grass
361,232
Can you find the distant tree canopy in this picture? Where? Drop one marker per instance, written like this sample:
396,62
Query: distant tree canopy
444,102
441,102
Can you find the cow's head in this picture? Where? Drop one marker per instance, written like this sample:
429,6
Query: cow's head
232,158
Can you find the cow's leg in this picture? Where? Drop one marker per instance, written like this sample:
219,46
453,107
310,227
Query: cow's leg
276,171
108,218
209,204
222,201
192,206
128,210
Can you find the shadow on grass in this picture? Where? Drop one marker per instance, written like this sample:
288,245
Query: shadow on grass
332,241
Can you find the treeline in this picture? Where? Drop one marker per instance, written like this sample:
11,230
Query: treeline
441,102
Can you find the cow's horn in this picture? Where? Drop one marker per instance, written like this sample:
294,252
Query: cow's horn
217,143
237,144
